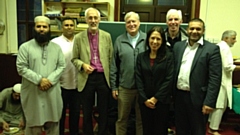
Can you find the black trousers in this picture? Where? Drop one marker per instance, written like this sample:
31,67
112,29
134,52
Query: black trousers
96,83
71,100
189,119
155,121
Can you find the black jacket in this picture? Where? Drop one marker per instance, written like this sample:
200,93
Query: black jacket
154,81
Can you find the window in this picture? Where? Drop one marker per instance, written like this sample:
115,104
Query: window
140,2
172,2
26,11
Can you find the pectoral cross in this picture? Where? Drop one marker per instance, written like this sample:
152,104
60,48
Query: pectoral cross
95,58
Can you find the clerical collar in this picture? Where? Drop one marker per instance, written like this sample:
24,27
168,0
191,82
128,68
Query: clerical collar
133,37
92,34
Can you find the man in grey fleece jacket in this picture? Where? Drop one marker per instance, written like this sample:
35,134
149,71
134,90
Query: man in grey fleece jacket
122,74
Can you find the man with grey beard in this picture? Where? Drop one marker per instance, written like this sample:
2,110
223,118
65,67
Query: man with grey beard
41,63
224,99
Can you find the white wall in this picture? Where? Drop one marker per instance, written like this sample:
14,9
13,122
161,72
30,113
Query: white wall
3,38
221,15
8,41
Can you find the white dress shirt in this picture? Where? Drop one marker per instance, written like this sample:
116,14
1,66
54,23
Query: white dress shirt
68,79
185,68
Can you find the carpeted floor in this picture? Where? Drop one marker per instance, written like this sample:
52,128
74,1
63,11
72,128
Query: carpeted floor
229,124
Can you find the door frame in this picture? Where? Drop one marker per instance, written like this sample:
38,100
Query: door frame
195,9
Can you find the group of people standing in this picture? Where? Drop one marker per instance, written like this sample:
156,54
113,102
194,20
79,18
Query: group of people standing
145,71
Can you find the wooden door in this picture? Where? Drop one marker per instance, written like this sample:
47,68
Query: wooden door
155,10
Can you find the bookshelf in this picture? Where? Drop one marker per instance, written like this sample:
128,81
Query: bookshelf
74,9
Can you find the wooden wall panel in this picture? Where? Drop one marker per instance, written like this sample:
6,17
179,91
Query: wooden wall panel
8,71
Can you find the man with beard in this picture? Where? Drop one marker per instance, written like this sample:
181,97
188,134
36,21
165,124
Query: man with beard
174,32
225,94
41,63
92,55
10,107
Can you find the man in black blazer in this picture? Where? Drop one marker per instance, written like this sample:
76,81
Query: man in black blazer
197,80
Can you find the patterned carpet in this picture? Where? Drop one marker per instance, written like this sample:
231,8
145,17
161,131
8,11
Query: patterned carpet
230,125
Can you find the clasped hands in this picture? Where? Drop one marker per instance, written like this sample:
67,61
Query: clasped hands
45,84
87,68
150,103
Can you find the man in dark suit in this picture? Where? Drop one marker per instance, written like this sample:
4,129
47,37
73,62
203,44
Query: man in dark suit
197,80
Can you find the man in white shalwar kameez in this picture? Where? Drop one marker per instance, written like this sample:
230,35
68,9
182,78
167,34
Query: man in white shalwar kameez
41,63
225,93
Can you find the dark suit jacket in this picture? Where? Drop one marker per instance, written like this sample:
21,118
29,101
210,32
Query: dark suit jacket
205,74
156,80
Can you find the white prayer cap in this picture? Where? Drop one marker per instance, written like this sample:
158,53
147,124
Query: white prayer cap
17,88
42,19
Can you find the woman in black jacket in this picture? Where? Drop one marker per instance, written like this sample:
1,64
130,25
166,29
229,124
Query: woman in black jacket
154,75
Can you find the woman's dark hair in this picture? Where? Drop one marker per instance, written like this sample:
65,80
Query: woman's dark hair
161,53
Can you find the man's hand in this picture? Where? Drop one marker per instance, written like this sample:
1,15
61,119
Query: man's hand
150,104
45,84
21,124
87,68
115,94
154,100
5,126
206,109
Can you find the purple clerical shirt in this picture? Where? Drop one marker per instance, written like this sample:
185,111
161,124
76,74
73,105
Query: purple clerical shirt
94,48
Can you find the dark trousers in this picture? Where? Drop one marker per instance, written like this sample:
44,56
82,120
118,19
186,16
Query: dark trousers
96,83
189,119
155,121
71,100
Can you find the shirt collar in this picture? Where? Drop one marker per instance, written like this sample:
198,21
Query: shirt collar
200,41
178,34
67,38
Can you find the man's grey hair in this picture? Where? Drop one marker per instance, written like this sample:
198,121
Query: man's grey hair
174,12
131,13
229,33
91,8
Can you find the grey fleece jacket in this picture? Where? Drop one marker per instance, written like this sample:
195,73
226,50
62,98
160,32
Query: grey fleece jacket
123,65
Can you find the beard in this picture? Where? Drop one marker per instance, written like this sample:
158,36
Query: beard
41,38
15,101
